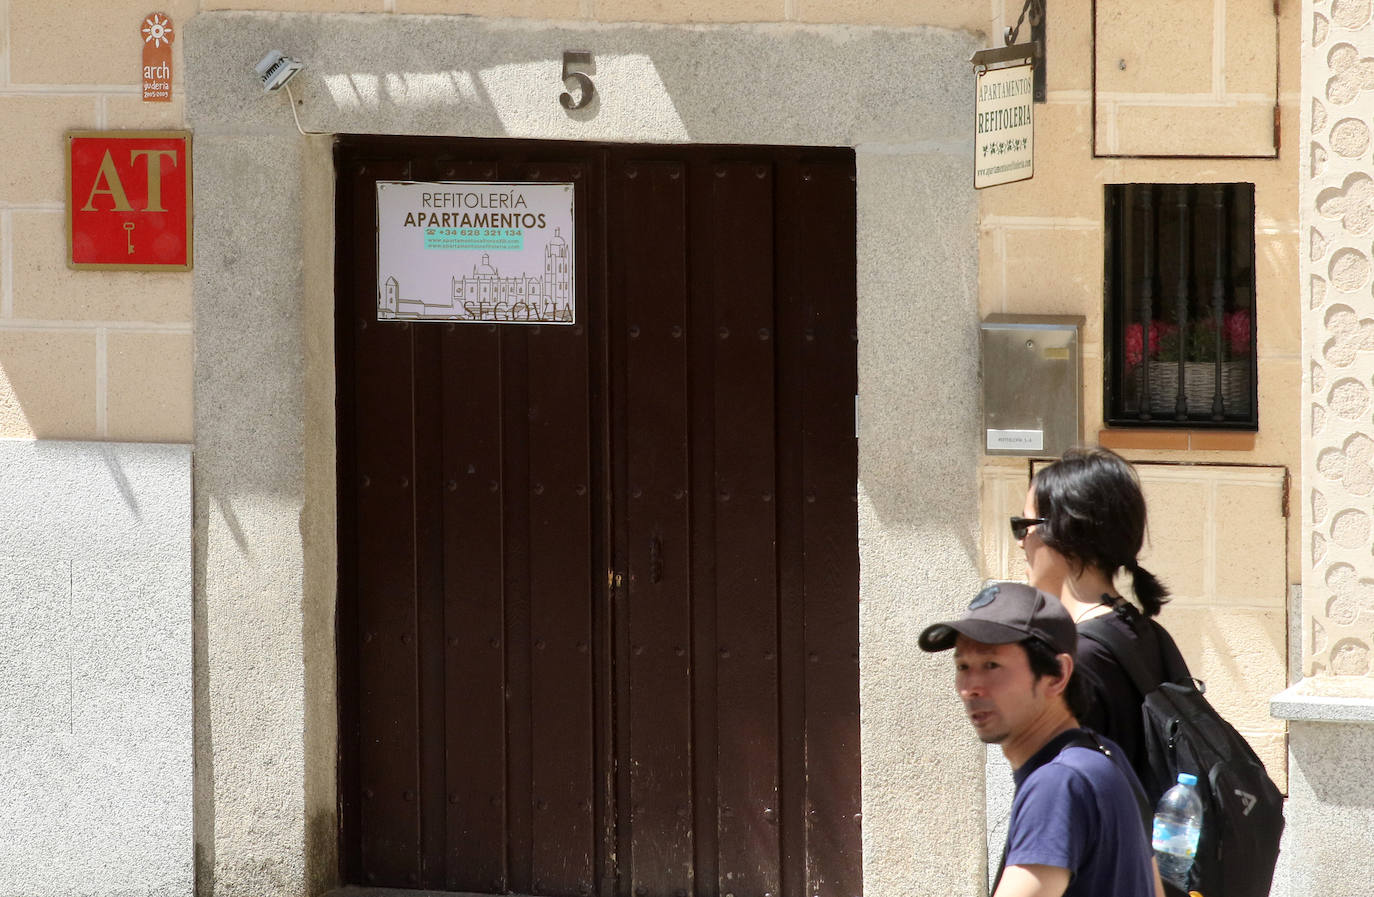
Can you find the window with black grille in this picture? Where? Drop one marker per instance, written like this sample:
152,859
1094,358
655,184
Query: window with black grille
1179,329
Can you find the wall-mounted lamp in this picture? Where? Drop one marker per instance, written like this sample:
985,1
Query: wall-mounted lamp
275,69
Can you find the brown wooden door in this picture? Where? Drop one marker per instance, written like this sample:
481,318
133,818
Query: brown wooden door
598,616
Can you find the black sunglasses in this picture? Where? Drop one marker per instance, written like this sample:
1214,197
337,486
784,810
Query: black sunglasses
1020,525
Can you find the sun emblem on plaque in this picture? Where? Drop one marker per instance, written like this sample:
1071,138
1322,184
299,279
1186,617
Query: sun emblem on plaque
157,30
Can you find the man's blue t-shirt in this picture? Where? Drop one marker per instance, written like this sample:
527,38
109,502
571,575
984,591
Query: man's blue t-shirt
1076,808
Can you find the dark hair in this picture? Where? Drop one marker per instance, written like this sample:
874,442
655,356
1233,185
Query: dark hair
1044,662
1094,516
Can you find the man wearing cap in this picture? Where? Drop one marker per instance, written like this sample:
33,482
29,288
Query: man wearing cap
1077,822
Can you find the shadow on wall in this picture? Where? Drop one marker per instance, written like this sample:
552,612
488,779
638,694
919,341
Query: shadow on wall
651,83
14,424
22,387
653,111
1314,761
203,825
1330,807
1235,654
121,481
903,94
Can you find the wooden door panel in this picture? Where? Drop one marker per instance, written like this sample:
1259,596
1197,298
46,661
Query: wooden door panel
825,274
464,736
388,658
509,724
649,329
427,485
739,245
793,331
474,629
561,590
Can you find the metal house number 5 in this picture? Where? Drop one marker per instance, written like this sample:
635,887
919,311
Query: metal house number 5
576,64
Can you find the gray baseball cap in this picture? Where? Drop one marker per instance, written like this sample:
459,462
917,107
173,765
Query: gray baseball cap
1006,612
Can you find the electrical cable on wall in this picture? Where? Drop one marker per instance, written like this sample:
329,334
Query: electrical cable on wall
275,71
292,99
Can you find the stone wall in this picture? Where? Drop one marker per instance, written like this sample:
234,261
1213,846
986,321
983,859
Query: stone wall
1224,534
95,696
263,291
1338,337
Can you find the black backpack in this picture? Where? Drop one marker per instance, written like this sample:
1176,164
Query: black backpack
1242,809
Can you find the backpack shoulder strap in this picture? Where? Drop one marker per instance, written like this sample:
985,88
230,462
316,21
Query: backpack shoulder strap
1169,660
1175,667
1089,739
1126,653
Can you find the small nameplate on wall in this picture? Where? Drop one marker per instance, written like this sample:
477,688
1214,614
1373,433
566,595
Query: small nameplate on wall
1016,440
157,58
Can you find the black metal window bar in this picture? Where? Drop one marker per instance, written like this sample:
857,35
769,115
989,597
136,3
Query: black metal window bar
1180,306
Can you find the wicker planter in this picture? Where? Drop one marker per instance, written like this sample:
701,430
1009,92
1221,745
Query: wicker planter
1199,386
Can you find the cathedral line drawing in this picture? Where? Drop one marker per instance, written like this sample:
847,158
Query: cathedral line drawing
485,295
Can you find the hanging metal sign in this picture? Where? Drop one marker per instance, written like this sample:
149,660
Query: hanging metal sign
1004,116
475,251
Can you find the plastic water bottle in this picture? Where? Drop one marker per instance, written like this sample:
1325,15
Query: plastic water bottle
1178,822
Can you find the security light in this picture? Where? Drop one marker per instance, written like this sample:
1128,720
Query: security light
275,69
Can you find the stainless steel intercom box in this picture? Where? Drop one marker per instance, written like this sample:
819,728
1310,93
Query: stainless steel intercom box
1032,384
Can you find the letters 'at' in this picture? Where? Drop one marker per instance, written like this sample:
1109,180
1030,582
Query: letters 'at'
114,188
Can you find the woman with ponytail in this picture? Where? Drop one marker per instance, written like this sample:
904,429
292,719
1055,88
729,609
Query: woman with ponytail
1085,522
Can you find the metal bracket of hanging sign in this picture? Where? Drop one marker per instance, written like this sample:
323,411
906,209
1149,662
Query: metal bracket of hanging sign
1035,11
1038,41
1000,57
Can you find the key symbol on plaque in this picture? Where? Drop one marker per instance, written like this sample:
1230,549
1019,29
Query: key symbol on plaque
129,229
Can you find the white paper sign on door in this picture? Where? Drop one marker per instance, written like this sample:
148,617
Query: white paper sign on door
476,251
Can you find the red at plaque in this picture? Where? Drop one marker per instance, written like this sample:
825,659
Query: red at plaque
129,199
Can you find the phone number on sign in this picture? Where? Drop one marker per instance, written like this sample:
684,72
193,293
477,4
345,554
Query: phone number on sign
472,232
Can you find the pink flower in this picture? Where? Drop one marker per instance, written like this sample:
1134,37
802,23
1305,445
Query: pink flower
1135,344
1236,326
